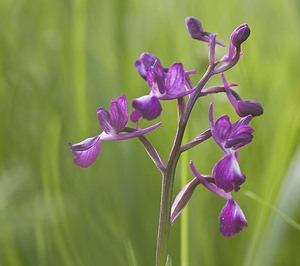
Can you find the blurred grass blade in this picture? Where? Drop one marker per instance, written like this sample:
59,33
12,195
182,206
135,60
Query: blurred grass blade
288,200
130,254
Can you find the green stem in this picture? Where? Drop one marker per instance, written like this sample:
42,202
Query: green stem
169,174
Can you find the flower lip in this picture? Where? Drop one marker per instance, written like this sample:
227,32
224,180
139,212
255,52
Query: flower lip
231,219
227,173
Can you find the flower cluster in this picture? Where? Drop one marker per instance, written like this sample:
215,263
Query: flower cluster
174,83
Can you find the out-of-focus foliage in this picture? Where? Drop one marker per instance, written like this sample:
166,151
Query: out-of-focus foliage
61,59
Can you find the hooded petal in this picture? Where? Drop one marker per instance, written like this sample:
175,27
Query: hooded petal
240,137
148,106
114,121
231,219
86,152
119,113
104,120
156,79
145,61
227,173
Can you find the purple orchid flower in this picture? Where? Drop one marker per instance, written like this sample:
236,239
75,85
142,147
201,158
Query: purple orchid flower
164,86
229,137
231,219
242,108
112,123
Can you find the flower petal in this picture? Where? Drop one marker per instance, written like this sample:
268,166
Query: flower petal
227,173
175,80
240,137
135,116
231,219
145,61
86,152
104,120
148,105
119,113
156,79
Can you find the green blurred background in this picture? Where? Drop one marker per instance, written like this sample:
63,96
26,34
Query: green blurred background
60,60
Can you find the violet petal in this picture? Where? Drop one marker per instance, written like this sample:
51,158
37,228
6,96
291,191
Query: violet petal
227,173
175,80
148,105
231,219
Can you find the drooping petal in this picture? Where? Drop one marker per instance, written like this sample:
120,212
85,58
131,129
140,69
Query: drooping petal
119,113
148,105
175,80
145,61
86,152
227,173
231,219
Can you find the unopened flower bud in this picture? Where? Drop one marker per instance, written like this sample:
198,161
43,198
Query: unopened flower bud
239,35
244,108
195,29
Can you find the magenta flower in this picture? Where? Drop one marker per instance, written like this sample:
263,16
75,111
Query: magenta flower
242,108
164,86
112,123
230,136
231,219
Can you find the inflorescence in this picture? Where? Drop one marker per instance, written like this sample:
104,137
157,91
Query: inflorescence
174,83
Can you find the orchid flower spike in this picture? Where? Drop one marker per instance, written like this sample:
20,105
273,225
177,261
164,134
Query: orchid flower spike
112,123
